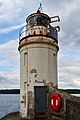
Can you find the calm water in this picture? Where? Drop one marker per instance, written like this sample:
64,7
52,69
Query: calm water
77,95
8,103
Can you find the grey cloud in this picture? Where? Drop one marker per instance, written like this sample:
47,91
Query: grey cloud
67,85
9,83
9,64
1,4
68,70
2,79
71,28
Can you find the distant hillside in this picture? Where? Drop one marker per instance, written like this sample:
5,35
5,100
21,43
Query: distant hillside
72,91
17,91
12,91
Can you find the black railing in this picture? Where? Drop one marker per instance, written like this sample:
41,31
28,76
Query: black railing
22,31
51,31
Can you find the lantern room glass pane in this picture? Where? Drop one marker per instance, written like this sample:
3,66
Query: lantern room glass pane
38,20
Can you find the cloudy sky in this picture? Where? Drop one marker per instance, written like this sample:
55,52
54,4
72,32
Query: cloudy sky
12,17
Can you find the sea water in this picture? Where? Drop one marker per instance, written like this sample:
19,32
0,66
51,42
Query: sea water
9,103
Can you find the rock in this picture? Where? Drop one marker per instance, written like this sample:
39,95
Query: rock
12,116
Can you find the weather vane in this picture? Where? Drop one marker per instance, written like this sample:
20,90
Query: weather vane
40,9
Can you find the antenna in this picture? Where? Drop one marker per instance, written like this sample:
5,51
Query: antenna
40,9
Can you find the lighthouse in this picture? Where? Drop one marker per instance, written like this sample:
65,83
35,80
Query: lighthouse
38,47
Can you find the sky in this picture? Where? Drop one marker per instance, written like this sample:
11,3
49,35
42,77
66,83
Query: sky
13,14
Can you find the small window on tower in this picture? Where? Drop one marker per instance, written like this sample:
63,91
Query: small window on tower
25,59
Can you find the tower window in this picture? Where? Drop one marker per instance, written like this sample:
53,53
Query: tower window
25,59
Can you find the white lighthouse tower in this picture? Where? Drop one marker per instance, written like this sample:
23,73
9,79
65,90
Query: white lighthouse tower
38,47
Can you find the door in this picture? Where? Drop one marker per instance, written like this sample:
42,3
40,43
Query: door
40,99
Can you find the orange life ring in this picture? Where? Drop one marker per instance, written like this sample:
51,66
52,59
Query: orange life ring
55,102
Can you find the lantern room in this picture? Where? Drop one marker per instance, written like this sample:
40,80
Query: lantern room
39,24
39,19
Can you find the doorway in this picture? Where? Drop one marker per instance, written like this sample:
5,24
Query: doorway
40,93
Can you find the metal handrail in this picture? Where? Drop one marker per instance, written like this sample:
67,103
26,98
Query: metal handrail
20,32
24,29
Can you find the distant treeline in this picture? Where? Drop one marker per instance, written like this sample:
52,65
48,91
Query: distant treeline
17,91
72,91
12,91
